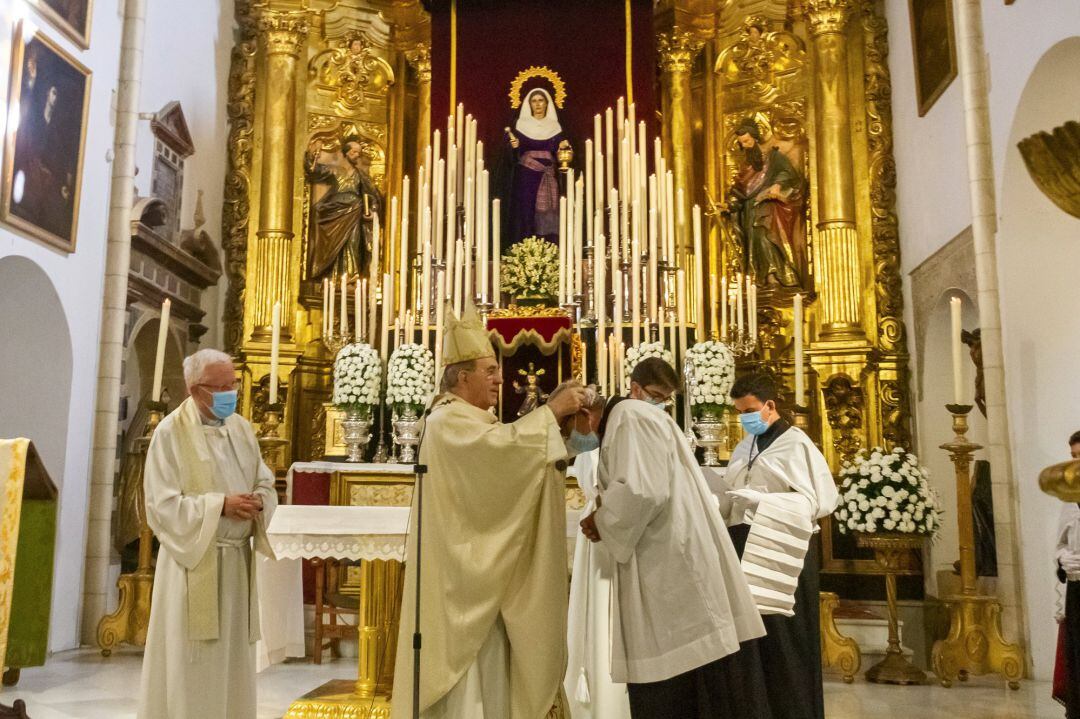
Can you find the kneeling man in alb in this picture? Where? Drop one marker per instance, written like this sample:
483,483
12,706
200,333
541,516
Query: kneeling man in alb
493,560
208,494
683,618
781,486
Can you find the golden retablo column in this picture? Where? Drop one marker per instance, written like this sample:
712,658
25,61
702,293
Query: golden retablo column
837,239
419,58
677,50
282,36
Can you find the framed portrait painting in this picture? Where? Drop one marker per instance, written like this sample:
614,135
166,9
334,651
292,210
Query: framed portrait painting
71,17
934,44
48,98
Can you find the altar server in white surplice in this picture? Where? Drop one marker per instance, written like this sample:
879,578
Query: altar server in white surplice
590,691
683,620
776,472
493,560
208,495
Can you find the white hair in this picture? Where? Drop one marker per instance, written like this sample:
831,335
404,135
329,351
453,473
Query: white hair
196,364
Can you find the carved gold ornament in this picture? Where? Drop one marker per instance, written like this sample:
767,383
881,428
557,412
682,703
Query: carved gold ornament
538,71
1053,160
352,70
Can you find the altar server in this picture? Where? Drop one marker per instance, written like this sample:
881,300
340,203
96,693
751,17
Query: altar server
682,605
773,458
493,560
589,689
1067,554
208,495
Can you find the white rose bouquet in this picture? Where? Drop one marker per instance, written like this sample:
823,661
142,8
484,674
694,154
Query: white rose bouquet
886,492
714,369
410,378
357,377
639,352
531,269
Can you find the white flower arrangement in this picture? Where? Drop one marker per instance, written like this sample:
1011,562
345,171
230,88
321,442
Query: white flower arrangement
642,351
531,269
357,377
410,378
887,492
714,371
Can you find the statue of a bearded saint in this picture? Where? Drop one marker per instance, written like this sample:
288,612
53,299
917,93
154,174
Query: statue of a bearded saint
536,139
340,230
767,202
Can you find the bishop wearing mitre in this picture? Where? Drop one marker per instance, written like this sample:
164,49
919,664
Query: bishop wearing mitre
493,559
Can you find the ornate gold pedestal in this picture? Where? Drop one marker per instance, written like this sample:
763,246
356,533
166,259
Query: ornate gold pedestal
975,644
888,551
836,649
368,697
132,616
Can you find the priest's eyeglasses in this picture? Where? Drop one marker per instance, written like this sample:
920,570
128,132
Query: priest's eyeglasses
218,388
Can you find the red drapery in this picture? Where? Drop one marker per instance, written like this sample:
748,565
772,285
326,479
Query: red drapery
584,41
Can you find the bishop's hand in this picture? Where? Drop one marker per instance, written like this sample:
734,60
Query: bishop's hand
567,399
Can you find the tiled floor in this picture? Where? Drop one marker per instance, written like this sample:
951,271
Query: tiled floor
83,685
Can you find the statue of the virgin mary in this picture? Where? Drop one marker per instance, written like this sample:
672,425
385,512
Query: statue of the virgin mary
535,141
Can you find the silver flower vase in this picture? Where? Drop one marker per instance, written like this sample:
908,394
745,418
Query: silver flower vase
711,431
407,435
356,431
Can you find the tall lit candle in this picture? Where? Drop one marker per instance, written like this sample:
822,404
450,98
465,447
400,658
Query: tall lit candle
563,237
751,298
333,294
609,152
589,184
275,350
635,283
680,289
797,340
159,358
654,277
403,249
955,308
325,307
496,249
459,277
440,318
425,284
344,305
699,276
467,248
358,310
579,251
485,243
739,302
722,300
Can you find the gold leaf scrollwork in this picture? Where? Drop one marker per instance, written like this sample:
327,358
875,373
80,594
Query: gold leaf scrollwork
844,412
236,209
350,70
895,429
542,71
761,65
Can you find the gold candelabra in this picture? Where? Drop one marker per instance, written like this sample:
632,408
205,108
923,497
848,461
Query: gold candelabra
132,616
270,443
975,644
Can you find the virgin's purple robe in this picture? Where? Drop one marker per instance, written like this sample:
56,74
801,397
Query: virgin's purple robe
534,194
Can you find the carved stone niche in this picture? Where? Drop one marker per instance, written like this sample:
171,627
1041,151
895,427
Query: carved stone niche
172,146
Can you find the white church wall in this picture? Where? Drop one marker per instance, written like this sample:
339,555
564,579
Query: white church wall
1038,253
77,281
186,58
1037,247
188,45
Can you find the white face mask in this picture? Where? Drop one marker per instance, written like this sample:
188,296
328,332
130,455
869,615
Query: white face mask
655,402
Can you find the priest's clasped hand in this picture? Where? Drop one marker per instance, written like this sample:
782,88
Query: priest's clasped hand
567,399
242,506
588,525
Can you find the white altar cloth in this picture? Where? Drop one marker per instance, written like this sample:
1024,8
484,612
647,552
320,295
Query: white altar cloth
281,611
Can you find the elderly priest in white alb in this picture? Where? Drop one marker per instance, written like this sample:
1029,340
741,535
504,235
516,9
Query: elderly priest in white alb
493,561
208,494
683,620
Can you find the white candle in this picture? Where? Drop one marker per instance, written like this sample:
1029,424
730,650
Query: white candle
333,295
680,289
723,301
617,309
485,228
358,310
609,152
589,184
344,305
955,308
496,248
669,214
579,251
739,302
458,277
275,348
325,306
467,248
425,292
797,340
654,277
440,317
613,231
403,249
635,282
374,274
384,328
159,358
699,277
563,237
751,298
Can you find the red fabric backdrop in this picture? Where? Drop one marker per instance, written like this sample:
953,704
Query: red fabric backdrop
584,41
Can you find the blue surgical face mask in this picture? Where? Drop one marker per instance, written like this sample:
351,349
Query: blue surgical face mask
224,404
582,443
753,423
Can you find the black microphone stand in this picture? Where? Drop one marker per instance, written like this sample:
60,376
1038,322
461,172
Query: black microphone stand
419,470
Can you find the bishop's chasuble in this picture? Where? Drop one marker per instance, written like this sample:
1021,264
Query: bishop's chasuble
199,661
493,561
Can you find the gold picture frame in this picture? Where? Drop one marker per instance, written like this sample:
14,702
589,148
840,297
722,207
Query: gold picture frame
44,140
71,17
933,45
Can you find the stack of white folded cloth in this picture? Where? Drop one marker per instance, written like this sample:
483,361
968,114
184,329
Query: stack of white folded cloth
773,559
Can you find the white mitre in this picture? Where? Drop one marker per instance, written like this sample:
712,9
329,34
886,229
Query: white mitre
465,339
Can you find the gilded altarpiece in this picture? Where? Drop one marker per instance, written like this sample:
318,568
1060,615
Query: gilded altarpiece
770,68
